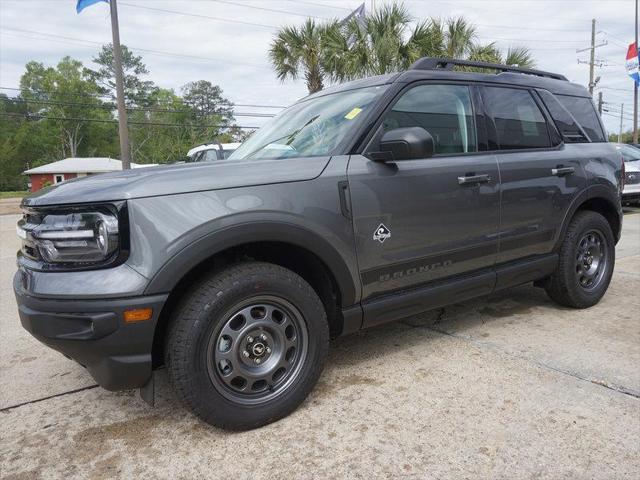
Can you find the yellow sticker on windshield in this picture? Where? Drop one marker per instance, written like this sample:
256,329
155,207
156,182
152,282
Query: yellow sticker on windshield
353,113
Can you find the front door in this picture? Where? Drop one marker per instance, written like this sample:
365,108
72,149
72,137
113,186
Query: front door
426,220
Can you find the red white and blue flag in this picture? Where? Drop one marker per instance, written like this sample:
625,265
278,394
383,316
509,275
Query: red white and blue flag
633,63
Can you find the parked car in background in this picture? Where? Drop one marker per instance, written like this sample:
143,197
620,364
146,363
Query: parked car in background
365,203
631,156
210,152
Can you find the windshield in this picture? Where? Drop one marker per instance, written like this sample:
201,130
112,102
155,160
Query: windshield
311,128
629,153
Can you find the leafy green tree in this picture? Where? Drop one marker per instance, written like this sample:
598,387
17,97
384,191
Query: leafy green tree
296,51
67,98
24,143
151,142
136,90
211,113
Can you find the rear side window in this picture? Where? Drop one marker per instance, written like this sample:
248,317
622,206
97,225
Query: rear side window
569,128
585,114
444,111
519,122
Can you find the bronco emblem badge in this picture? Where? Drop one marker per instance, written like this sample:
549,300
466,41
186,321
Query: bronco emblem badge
381,233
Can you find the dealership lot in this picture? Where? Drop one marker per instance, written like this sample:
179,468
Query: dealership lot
507,386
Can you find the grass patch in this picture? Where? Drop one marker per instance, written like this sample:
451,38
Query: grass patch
13,194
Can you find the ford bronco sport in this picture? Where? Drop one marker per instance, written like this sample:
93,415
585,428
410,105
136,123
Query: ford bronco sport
362,204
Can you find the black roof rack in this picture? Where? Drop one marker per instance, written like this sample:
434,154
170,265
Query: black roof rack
429,63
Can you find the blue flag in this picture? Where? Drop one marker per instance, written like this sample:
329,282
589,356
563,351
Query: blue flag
82,4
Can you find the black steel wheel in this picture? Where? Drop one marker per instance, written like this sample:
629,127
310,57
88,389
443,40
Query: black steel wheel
591,259
247,345
259,350
586,260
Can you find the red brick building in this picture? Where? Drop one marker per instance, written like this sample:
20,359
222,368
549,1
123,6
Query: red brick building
63,170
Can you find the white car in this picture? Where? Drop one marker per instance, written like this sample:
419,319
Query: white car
631,157
210,152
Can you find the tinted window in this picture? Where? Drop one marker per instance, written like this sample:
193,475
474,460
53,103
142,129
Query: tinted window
569,128
518,119
584,112
442,110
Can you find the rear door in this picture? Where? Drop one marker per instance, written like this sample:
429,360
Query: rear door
539,175
420,221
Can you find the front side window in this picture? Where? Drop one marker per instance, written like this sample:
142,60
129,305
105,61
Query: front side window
519,122
444,111
310,128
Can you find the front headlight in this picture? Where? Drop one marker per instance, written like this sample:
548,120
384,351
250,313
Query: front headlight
73,237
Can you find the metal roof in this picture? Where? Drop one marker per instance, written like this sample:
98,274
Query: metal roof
82,165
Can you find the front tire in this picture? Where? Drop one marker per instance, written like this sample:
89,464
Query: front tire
247,346
587,257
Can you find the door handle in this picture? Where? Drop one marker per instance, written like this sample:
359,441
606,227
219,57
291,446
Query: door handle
471,179
560,171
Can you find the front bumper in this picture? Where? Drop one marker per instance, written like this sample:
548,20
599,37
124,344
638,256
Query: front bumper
94,333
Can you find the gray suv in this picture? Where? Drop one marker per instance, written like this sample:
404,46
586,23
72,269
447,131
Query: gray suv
362,204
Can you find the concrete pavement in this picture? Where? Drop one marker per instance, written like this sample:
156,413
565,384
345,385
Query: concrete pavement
507,386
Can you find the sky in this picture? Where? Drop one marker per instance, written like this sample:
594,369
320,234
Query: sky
226,41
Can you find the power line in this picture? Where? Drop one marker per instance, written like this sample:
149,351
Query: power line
133,109
147,50
316,4
114,122
286,12
99,96
197,15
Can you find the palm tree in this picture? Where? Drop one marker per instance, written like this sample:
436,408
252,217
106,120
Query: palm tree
296,51
459,37
516,56
488,53
520,56
381,44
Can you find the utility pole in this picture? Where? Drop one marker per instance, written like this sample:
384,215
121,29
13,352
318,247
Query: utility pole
635,91
122,110
592,57
600,103
621,118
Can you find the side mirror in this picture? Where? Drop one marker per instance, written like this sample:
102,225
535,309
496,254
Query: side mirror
408,143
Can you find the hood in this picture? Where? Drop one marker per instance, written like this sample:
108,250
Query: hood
174,179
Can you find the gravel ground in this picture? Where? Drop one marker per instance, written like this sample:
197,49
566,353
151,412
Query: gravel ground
506,386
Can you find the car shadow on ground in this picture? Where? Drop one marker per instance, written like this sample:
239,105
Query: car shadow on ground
457,317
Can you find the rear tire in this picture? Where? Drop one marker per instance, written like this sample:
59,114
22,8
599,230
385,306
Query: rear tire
247,346
587,257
